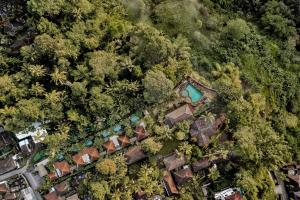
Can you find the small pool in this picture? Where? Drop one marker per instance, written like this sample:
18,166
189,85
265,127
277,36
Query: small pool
192,92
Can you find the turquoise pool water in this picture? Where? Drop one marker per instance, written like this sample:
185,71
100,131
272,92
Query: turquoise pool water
192,92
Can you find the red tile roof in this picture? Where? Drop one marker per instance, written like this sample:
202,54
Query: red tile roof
124,140
63,166
141,133
91,151
109,146
52,176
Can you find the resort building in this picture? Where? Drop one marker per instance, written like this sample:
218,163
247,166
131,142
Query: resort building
180,114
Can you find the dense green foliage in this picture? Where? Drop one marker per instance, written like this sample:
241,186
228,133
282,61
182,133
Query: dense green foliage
91,63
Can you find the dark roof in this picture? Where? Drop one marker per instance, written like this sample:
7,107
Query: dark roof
7,164
124,140
134,154
180,114
203,128
109,146
141,133
170,186
295,178
174,161
201,164
183,175
5,139
235,196
51,196
141,195
62,187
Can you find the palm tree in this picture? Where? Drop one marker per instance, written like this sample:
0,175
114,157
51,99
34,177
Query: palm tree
59,77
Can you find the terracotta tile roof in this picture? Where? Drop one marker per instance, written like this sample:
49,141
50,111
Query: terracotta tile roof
124,140
51,196
170,185
62,187
63,166
52,176
182,113
3,188
134,154
183,175
109,146
201,164
77,158
92,152
141,133
174,161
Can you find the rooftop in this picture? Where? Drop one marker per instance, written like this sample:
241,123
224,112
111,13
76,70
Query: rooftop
174,161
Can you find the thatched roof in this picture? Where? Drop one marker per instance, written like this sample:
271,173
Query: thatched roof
134,154
170,186
183,175
201,164
180,114
174,161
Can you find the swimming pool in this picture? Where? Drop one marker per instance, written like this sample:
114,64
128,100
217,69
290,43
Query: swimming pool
192,92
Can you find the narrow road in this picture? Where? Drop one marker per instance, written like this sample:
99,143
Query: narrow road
13,173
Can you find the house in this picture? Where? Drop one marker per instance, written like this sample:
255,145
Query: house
134,154
229,194
201,164
86,156
3,188
295,179
40,167
5,140
169,185
141,195
62,188
28,194
180,114
36,132
124,140
140,132
62,168
109,146
174,161
73,197
52,196
26,146
183,175
7,164
203,128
